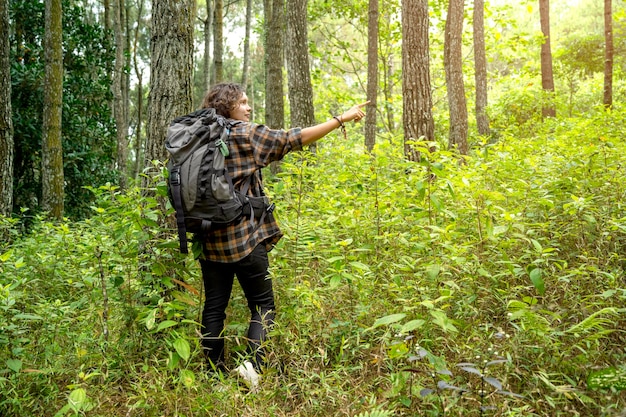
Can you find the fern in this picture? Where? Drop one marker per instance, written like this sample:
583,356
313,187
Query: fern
376,413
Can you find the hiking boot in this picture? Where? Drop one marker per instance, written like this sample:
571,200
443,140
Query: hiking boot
249,375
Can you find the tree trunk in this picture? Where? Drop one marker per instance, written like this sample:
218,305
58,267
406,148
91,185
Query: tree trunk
126,79
107,14
246,48
218,42
6,123
171,50
372,75
139,76
547,78
52,150
119,104
388,93
298,72
274,15
453,65
608,54
274,60
417,99
480,64
208,25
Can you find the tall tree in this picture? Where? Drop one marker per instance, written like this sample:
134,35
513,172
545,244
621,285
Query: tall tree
372,74
208,30
298,72
6,124
52,152
246,47
480,64
608,54
218,41
171,50
274,63
547,78
417,116
387,41
453,65
274,16
139,76
119,99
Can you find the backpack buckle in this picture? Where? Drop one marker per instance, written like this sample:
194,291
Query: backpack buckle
223,147
175,177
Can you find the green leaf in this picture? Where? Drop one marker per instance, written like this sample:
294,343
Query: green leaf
6,255
14,364
443,321
165,324
608,378
537,245
398,350
392,318
360,265
187,377
78,399
335,281
26,316
182,348
151,319
537,280
412,325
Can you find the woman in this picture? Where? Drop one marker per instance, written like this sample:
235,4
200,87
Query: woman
241,249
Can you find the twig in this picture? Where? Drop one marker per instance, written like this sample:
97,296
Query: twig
105,298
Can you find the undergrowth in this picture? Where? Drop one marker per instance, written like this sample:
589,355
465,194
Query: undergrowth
492,285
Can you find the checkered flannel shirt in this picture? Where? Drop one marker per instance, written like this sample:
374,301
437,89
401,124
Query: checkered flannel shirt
251,147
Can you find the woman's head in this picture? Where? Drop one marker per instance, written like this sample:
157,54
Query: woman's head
228,100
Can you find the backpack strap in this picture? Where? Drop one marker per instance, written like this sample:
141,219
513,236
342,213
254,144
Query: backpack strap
178,206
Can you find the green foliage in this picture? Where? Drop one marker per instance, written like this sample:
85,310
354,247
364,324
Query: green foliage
88,131
500,278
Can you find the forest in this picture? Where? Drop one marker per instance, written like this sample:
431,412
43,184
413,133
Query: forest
459,252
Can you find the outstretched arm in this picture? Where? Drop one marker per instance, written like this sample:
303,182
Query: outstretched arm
313,133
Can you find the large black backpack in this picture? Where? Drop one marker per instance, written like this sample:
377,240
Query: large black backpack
200,188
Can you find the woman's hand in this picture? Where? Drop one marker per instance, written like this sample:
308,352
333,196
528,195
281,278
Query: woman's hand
313,133
355,113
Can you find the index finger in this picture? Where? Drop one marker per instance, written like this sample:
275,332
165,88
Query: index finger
363,104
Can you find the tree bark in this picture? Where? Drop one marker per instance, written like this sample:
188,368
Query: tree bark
372,74
107,14
208,29
298,72
218,42
246,48
52,150
417,116
453,65
139,74
171,50
274,15
480,70
6,123
274,63
547,78
119,102
608,54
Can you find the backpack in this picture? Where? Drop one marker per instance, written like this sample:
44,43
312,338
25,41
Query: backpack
199,186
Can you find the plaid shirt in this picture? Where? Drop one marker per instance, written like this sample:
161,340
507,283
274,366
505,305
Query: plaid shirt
251,147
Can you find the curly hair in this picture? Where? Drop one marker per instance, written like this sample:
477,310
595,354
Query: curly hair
223,98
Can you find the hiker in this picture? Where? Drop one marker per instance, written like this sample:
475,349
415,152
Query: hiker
240,249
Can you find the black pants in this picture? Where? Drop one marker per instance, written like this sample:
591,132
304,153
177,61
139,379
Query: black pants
252,274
